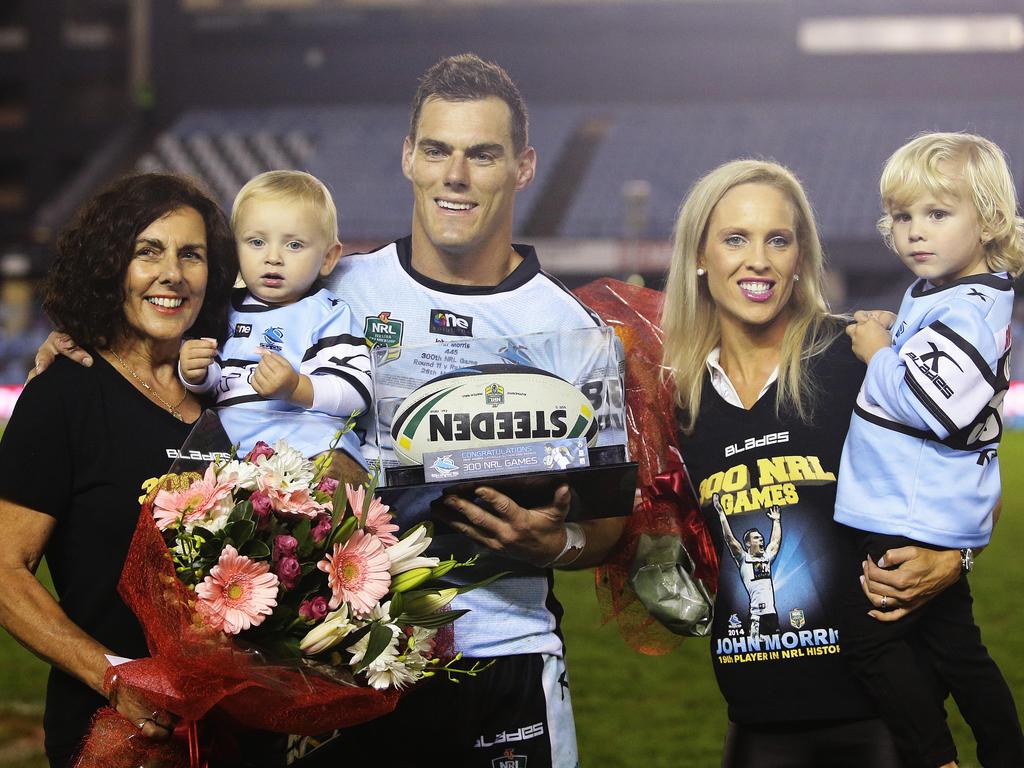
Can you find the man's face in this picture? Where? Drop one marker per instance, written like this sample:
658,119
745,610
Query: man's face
755,543
465,173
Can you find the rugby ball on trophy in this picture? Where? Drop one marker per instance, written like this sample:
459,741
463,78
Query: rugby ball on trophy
489,405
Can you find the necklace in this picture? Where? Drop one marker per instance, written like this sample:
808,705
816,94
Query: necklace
172,408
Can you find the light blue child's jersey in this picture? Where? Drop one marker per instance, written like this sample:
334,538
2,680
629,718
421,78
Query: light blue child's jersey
920,457
316,334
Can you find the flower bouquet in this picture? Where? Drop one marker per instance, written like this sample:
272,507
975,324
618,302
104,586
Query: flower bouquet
277,597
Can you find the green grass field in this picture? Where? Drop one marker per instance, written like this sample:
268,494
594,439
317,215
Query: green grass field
635,711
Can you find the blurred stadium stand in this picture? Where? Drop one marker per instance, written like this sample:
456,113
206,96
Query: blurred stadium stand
631,101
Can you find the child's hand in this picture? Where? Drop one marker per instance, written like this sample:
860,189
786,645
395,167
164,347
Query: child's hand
869,336
274,377
195,358
884,316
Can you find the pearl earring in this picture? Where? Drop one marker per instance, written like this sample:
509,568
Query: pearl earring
701,271
796,278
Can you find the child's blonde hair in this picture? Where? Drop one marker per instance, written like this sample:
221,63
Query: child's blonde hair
958,166
294,186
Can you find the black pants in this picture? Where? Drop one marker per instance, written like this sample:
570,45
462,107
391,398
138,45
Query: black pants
842,744
892,660
509,714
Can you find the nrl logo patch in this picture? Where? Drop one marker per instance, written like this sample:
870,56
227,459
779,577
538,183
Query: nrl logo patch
796,618
494,394
509,760
382,331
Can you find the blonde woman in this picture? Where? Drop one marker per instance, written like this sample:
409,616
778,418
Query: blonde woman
765,383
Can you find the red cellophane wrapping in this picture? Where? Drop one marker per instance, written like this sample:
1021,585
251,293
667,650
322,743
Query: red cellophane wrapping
666,504
193,672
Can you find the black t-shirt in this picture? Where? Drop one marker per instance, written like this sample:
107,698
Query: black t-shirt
775,647
78,446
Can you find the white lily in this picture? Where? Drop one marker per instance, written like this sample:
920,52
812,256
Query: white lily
430,602
330,632
405,555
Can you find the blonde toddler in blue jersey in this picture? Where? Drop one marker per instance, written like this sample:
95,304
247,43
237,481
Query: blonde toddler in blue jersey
919,464
294,346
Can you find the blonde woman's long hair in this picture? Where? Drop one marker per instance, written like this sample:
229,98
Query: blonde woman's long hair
690,318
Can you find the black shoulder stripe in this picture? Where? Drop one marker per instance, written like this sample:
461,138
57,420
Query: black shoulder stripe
334,341
967,348
895,426
927,402
241,399
559,284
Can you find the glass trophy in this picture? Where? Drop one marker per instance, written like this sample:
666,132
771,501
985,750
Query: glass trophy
520,414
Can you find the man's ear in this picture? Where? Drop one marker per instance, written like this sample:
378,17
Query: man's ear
407,148
526,167
330,259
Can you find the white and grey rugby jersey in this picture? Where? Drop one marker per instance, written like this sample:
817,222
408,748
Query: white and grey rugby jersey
317,335
920,457
394,305
756,572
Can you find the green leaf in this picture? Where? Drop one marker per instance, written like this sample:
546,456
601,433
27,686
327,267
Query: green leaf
301,531
210,550
241,511
255,549
340,504
308,567
396,605
241,531
432,620
380,638
354,636
342,533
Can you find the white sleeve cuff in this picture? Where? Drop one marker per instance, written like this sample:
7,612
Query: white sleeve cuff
336,396
212,375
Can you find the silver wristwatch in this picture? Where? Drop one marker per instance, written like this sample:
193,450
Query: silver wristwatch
966,560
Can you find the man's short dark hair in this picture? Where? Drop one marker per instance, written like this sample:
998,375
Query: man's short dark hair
747,534
467,77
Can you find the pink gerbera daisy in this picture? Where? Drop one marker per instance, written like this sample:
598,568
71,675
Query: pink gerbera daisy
378,519
202,499
238,593
357,572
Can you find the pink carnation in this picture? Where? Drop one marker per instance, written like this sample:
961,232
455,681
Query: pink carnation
378,519
260,449
315,609
288,571
261,506
328,485
357,572
238,593
322,528
192,504
294,502
284,545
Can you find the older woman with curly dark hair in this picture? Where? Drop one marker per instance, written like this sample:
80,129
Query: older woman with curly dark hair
145,262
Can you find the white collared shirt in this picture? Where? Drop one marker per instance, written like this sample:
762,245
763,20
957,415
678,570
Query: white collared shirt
720,380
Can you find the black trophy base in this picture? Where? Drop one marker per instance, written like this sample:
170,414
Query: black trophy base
604,489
